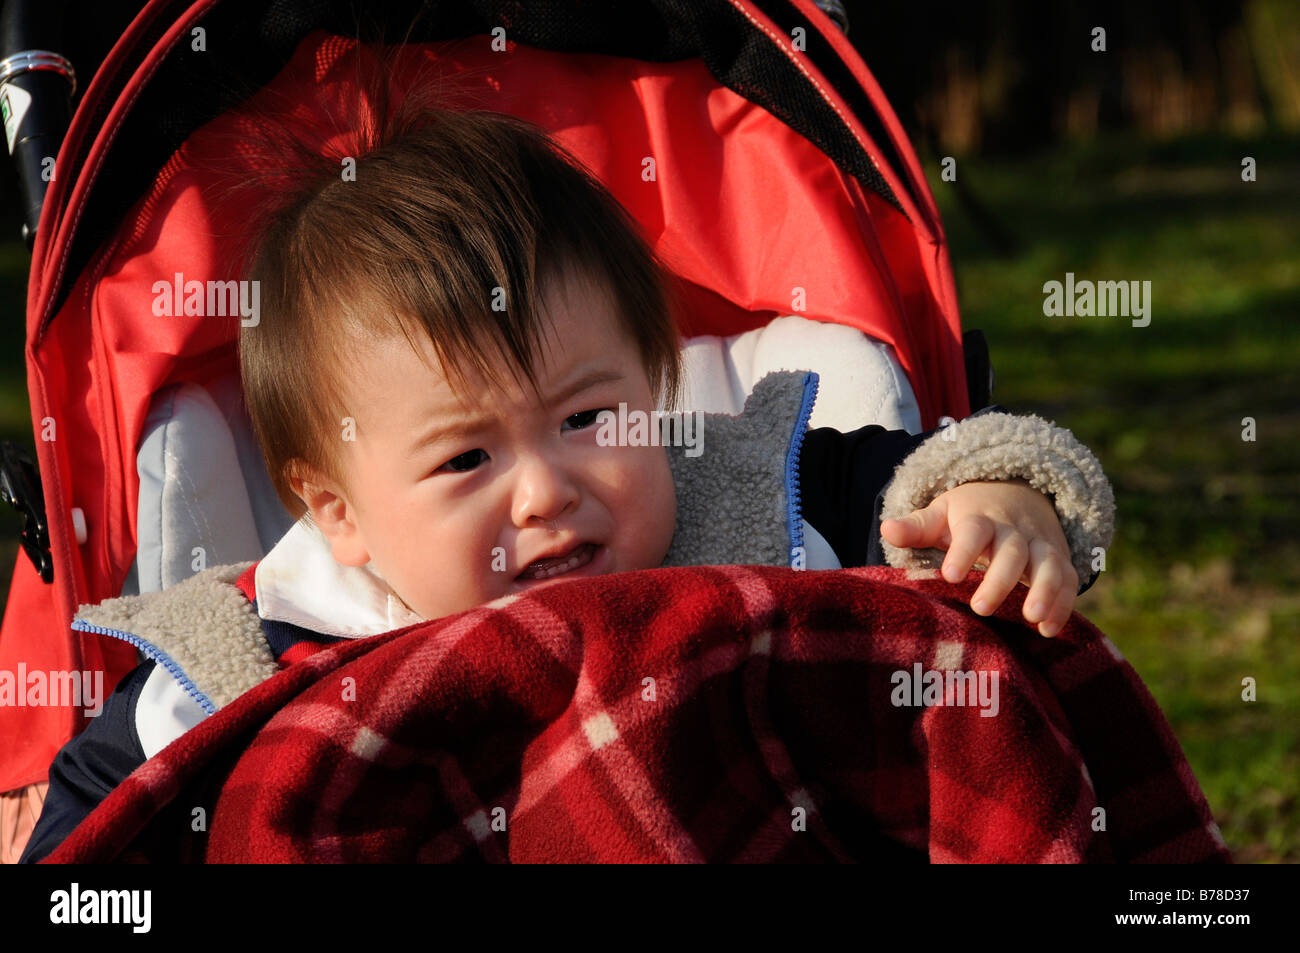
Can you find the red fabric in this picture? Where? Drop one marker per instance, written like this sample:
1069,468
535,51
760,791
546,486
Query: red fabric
743,209
31,735
38,616
247,582
27,730
678,715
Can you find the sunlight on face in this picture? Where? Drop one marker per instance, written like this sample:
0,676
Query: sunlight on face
453,501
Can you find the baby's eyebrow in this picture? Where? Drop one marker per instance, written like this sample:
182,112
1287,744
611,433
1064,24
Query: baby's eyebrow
466,426
588,380
461,428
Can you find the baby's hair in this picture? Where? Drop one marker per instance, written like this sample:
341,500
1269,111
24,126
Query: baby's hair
449,212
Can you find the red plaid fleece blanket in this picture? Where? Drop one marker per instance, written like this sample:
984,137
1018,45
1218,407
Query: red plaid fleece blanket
725,713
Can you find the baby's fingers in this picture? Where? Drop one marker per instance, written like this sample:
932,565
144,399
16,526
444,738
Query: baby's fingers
970,538
1053,583
1060,612
1010,553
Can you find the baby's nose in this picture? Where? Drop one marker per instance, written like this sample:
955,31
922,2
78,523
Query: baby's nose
544,493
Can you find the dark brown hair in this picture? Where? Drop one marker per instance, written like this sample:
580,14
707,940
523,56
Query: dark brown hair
446,210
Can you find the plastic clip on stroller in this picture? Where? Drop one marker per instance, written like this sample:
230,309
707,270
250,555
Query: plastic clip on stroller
20,486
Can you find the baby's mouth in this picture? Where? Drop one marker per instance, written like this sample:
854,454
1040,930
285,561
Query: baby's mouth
557,566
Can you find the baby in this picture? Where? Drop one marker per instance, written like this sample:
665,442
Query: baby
378,387
439,339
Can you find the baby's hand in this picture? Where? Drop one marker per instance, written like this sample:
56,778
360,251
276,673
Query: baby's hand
1004,525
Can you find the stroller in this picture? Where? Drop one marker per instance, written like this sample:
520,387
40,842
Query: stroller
788,202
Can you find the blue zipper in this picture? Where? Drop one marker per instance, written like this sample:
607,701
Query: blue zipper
158,655
794,501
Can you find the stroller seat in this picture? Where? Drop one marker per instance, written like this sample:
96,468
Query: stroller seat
206,498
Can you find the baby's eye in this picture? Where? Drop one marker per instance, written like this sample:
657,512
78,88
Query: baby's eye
584,419
463,463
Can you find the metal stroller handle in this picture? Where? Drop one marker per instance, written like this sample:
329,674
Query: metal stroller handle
36,89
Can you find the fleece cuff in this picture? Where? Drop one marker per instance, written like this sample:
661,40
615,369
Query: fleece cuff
997,446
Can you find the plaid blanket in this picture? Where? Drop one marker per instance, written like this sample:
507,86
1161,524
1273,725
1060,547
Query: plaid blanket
724,713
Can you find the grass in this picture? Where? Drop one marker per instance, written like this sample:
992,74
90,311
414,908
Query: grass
1201,587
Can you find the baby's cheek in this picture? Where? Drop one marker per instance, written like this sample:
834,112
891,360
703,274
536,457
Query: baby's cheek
658,513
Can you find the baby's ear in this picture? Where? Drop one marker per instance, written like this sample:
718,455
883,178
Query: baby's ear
296,474
316,491
329,511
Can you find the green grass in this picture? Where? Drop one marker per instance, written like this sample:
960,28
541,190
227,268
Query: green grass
1201,586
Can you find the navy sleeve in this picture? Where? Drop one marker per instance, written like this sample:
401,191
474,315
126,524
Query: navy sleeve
89,766
843,478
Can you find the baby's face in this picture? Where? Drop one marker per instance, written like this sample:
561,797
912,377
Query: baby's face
452,520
